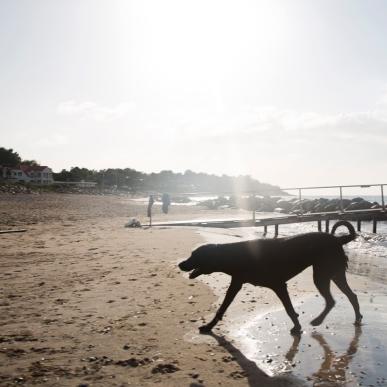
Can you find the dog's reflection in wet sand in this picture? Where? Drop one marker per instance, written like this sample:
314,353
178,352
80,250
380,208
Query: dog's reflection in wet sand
334,367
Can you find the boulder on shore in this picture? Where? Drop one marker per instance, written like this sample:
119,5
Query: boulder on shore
290,206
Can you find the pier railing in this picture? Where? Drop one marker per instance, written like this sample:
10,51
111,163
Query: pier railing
374,215
340,188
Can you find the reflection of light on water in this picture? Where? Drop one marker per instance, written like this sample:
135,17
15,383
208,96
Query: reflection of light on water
264,331
334,354
368,257
367,254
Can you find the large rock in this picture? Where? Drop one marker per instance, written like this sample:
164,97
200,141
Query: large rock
303,205
336,205
266,204
359,205
280,210
320,204
357,200
286,205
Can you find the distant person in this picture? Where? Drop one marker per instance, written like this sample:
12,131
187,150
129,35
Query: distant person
166,202
150,204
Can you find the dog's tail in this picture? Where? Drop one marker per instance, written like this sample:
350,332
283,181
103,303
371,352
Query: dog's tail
344,239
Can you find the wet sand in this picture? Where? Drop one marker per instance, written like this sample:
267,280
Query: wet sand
336,353
85,301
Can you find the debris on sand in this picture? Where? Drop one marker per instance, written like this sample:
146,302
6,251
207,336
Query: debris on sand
165,369
105,360
133,222
133,362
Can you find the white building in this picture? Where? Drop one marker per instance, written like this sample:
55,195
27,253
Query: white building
34,174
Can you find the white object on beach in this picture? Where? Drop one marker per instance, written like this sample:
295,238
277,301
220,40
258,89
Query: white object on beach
133,222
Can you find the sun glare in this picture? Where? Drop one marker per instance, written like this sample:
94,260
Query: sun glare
204,43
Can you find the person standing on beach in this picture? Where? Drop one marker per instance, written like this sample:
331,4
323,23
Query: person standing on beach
166,202
149,211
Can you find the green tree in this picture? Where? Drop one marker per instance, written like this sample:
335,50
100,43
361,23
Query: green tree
9,158
32,163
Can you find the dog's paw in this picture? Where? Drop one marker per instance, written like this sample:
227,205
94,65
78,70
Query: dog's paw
358,321
205,328
296,331
317,321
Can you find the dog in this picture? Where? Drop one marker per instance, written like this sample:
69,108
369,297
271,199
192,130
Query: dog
272,262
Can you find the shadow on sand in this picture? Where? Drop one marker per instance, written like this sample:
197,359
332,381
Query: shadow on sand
254,375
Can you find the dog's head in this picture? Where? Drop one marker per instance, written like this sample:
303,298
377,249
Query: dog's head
200,262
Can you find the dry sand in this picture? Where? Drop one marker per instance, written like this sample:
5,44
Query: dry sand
85,301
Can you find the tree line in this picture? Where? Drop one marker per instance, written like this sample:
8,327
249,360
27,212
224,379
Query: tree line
165,181
9,158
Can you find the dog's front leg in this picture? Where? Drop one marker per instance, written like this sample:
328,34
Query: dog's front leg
232,291
282,292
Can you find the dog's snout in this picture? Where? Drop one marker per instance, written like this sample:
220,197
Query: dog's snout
184,266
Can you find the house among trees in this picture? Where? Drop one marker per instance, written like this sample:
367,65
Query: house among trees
34,174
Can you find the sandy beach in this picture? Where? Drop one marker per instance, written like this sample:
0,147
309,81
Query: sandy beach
88,302
248,120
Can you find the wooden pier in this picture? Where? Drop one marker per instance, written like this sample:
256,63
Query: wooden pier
322,219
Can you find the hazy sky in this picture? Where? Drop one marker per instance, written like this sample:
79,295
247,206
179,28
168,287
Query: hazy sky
291,92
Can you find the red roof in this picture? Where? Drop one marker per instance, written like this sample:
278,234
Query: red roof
27,169
31,168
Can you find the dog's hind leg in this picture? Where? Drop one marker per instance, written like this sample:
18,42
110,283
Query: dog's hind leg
232,291
282,292
322,282
340,280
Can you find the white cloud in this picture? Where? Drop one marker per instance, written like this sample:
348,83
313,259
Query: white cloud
92,111
53,140
268,123
382,102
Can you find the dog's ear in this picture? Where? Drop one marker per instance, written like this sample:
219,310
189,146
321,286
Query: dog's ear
198,249
201,249
206,250
208,254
